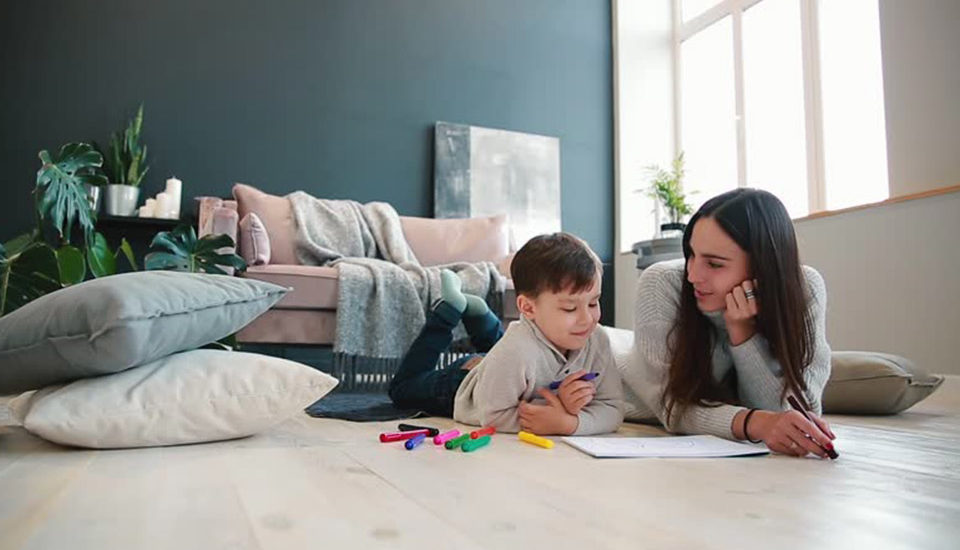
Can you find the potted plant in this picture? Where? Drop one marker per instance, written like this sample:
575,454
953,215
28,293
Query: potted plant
125,164
43,260
666,187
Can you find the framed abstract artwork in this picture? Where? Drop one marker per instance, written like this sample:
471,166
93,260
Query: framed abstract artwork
487,172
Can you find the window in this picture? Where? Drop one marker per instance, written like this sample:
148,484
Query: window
782,95
708,125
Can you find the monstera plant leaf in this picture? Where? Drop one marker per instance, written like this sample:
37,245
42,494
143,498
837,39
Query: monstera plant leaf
181,250
102,260
61,197
28,269
71,265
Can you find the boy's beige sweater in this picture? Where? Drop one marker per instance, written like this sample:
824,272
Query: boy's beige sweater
523,361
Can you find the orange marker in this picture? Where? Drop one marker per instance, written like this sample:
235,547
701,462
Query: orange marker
476,434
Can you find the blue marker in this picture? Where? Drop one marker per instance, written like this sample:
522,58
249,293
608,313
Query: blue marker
412,443
586,377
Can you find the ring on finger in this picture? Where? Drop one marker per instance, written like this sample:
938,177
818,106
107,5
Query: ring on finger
749,293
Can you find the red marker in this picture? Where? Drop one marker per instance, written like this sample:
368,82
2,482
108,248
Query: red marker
828,448
400,436
489,430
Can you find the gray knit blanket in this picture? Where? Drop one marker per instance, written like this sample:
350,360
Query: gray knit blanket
384,291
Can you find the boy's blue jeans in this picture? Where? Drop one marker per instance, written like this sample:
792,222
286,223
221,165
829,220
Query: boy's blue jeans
418,384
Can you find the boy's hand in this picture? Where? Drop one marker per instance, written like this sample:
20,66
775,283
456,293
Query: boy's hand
575,394
549,419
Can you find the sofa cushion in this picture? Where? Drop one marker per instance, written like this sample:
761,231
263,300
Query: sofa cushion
277,217
445,241
254,240
113,323
190,397
314,286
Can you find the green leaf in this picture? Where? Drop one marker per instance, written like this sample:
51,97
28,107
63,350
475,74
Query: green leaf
166,261
127,156
210,243
70,265
19,243
127,251
102,260
169,241
181,250
62,197
27,275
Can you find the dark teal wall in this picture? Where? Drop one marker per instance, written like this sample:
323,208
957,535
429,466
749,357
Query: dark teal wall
335,97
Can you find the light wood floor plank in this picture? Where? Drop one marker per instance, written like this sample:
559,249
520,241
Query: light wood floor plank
327,483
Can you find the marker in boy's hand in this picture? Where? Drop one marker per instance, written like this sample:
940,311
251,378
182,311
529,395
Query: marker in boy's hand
589,376
576,391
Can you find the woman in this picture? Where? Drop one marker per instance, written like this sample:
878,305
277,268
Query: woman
723,338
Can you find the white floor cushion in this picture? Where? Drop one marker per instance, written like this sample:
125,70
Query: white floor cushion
189,397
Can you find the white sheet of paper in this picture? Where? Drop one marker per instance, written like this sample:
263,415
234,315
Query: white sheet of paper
683,446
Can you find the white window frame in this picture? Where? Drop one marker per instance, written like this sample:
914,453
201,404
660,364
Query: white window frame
812,103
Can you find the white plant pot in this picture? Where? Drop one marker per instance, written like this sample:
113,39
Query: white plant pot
93,197
121,200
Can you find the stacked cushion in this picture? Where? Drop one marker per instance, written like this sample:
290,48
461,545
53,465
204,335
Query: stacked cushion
115,364
189,397
111,324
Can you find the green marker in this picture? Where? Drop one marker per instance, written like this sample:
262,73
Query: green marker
475,444
457,441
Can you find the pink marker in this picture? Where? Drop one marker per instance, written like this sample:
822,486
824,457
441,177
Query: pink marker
445,436
400,436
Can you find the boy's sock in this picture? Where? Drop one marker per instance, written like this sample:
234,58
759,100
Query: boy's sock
475,306
450,290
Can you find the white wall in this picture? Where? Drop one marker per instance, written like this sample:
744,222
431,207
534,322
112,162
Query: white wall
920,41
893,278
872,258
643,122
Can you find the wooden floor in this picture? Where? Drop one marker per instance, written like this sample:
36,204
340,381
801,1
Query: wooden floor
330,484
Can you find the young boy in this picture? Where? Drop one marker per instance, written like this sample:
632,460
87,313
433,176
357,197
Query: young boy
557,280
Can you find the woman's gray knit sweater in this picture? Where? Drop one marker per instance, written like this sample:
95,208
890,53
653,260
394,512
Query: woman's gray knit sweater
758,374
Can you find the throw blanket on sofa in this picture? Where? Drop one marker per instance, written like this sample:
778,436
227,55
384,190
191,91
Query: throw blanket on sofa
384,291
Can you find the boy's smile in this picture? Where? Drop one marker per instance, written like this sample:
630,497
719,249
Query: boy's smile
566,319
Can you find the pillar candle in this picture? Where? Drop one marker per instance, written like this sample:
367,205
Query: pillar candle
164,206
151,206
174,189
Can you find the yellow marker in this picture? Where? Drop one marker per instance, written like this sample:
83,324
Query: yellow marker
535,440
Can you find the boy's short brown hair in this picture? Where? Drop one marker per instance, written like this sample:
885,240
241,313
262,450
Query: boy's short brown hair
555,262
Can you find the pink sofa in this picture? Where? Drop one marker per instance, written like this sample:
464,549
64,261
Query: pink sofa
307,315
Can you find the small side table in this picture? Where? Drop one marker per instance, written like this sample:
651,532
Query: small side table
657,250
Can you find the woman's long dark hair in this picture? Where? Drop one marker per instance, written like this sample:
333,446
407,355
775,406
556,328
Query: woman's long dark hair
758,222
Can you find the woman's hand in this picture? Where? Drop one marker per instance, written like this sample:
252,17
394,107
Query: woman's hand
549,419
574,393
740,315
790,433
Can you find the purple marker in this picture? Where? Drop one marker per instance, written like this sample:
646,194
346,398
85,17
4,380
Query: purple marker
586,377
